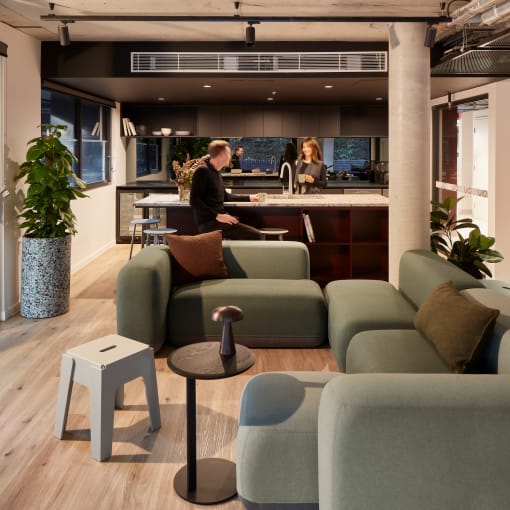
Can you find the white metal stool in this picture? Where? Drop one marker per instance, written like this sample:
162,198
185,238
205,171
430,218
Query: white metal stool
104,365
271,231
135,223
157,235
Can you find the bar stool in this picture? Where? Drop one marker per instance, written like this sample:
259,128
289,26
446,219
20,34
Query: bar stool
271,231
157,235
135,223
104,366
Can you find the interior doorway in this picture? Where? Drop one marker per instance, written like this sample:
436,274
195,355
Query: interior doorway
461,135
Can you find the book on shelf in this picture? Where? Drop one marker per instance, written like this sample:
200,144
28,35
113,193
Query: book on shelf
128,127
308,228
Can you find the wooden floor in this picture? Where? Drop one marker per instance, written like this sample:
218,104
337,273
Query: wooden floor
38,471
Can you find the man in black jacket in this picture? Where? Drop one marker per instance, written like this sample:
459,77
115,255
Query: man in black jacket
208,196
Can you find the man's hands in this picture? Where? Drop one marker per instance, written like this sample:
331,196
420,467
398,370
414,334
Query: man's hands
227,218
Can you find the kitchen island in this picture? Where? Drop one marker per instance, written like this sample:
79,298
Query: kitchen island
348,237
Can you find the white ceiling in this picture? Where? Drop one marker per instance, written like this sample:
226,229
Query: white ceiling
25,16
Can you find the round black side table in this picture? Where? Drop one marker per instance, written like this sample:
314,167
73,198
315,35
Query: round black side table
206,481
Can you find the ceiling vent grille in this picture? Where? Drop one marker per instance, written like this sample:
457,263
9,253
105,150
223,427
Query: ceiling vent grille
317,62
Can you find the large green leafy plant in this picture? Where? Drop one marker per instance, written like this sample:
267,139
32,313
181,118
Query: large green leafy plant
470,252
52,184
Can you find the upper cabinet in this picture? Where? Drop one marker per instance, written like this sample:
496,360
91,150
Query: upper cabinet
270,121
233,121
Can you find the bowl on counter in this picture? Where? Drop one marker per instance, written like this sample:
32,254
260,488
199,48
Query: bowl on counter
183,133
236,171
156,133
166,131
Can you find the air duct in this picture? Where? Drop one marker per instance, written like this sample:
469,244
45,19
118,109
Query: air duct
496,13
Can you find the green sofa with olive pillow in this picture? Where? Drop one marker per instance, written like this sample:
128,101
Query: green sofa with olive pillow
168,293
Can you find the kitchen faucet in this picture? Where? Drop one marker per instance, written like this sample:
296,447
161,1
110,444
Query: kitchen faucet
287,166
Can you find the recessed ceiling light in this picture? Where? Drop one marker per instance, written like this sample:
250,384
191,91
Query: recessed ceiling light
328,86
161,98
270,98
207,86
378,98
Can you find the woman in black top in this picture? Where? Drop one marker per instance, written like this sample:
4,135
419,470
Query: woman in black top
208,196
311,165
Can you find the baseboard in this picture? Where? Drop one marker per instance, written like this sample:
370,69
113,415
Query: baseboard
87,260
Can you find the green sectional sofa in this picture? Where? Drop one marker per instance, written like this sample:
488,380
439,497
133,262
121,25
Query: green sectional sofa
355,306
268,280
398,431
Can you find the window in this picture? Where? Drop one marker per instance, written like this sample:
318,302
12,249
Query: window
87,134
148,152
351,154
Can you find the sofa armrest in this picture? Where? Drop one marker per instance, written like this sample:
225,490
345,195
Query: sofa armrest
143,290
504,354
400,441
267,259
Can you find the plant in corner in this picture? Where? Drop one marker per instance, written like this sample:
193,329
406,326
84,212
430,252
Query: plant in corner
472,252
48,222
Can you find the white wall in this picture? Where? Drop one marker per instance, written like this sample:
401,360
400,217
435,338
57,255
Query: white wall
96,215
499,167
22,116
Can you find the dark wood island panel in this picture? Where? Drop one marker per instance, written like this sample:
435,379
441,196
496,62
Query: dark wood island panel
350,242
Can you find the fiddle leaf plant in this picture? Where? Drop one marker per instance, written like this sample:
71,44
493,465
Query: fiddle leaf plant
52,184
471,253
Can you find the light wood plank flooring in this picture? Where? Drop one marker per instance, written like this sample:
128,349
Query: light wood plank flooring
37,471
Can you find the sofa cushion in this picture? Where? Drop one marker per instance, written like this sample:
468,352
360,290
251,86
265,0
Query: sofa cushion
420,271
454,325
197,257
277,313
360,305
393,351
277,440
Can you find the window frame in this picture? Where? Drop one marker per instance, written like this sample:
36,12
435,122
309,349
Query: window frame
79,98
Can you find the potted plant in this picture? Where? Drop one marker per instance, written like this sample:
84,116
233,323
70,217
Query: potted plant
469,252
49,224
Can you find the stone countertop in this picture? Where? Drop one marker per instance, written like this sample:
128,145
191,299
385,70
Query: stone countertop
263,182
355,200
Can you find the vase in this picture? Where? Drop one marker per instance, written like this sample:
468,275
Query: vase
183,194
45,276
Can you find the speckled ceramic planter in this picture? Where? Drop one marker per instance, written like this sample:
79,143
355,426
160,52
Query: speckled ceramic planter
45,276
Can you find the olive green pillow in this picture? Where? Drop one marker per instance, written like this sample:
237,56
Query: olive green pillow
198,257
455,326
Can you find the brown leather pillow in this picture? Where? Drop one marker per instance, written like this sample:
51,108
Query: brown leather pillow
198,257
454,325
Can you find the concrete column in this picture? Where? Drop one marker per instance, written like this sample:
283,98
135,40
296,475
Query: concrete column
409,141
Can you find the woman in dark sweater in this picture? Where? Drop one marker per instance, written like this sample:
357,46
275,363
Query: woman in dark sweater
310,165
208,196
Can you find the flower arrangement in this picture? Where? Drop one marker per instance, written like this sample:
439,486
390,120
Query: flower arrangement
184,173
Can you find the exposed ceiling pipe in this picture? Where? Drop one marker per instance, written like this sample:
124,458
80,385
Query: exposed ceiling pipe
496,13
469,11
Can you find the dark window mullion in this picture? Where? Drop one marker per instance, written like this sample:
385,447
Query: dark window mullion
78,129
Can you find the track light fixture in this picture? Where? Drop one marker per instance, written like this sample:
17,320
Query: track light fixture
430,36
250,35
63,34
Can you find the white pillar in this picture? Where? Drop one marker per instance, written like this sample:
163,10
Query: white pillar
409,141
